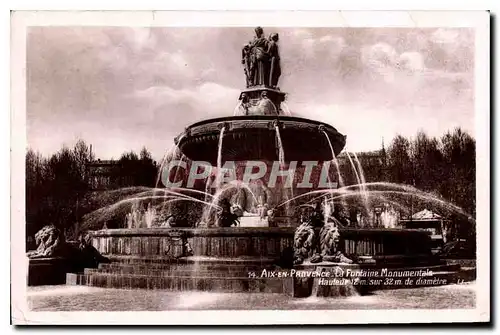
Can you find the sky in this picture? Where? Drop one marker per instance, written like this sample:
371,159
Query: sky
121,88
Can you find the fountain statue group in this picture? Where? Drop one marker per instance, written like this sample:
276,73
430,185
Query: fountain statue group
316,239
261,60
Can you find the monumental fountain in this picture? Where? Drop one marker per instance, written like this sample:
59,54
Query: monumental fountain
276,251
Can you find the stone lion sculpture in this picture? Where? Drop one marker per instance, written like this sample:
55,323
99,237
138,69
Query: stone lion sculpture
303,243
50,242
329,238
317,245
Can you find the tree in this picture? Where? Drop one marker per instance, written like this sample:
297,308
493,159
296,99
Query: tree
149,170
145,155
82,156
138,170
399,161
427,161
459,158
54,186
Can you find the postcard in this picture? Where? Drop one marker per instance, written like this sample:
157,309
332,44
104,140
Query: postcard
250,167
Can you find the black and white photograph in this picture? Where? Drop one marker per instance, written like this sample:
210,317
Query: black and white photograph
276,162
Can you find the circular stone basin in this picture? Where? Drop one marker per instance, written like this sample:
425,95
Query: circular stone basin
254,138
259,242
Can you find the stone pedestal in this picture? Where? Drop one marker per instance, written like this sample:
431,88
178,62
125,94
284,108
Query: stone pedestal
261,101
48,271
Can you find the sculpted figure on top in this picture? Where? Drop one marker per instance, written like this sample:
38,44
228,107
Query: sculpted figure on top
261,60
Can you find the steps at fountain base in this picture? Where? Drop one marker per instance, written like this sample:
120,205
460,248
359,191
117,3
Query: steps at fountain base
201,263
244,272
180,283
187,274
189,266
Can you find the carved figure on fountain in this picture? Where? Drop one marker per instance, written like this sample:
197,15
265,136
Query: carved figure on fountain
261,60
274,58
271,217
55,257
225,217
50,243
255,59
329,238
262,208
317,241
302,242
239,198
178,245
244,106
247,61
265,106
341,214
260,102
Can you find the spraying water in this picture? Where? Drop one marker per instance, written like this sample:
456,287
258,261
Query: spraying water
236,111
208,212
363,183
281,158
190,190
130,206
322,192
388,190
171,153
207,186
358,179
335,161
285,109
149,216
281,152
231,185
425,197
178,167
219,156
360,170
326,210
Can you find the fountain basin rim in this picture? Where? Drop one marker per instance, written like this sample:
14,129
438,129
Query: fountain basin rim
219,231
259,118
243,231
146,260
253,137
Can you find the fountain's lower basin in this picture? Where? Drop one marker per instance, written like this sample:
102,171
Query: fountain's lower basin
253,137
233,259
254,242
169,243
